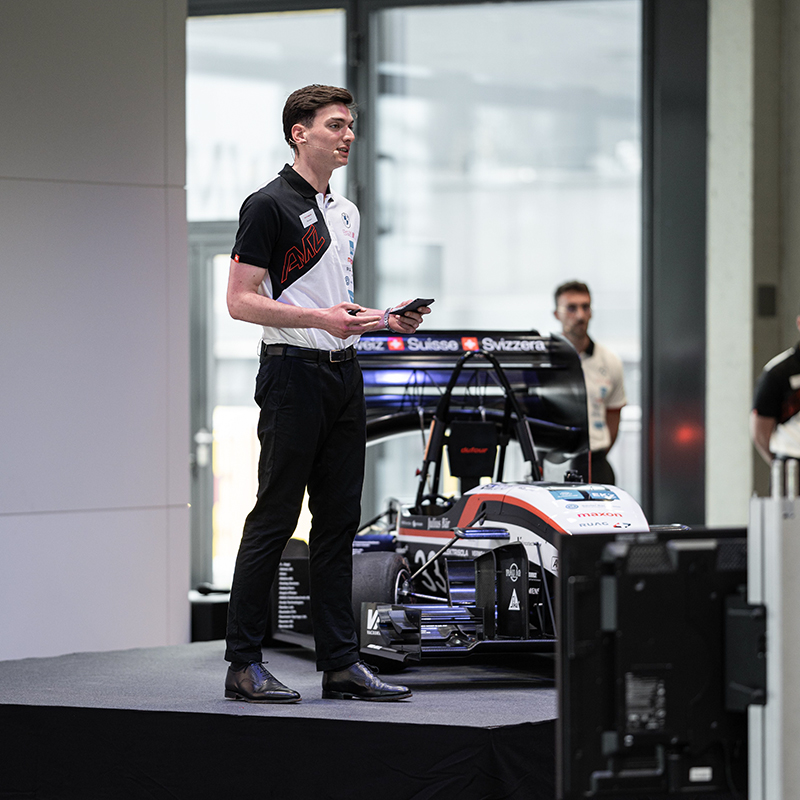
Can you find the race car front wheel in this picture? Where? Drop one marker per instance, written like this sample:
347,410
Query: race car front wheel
377,578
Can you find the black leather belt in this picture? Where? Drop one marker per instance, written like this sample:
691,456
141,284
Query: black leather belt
308,353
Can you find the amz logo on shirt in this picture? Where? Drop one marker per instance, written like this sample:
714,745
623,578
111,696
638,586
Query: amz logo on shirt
296,258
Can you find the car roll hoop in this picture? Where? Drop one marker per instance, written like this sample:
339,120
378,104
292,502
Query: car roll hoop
513,414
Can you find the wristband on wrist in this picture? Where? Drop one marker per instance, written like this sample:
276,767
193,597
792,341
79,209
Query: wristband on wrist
386,319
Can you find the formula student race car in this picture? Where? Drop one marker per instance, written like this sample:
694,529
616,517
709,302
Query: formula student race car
474,572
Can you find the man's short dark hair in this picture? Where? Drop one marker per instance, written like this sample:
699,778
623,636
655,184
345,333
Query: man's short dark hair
302,105
571,286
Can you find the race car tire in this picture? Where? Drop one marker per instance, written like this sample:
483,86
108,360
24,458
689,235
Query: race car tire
377,578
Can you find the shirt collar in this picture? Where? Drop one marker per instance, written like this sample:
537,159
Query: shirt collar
300,184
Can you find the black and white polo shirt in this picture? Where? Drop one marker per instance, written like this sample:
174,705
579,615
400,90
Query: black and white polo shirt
306,242
777,396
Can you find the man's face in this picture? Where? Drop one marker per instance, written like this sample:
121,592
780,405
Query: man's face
327,141
574,311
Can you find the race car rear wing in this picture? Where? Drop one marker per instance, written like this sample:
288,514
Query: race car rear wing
405,376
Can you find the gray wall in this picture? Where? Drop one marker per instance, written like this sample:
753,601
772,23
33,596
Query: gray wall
94,523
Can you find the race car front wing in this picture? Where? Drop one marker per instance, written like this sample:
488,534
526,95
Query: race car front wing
496,619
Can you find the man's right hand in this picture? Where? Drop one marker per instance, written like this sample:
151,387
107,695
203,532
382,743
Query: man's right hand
339,321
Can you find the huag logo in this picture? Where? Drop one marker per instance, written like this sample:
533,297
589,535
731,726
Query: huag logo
514,572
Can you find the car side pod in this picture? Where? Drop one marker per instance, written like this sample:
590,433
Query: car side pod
501,592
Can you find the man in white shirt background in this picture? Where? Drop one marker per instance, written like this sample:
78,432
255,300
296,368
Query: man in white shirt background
602,372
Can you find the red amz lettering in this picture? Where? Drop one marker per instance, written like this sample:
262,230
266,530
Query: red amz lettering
296,258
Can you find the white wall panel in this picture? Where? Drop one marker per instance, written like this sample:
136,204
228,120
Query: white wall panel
86,308
94,581
178,445
94,368
175,92
178,610
86,82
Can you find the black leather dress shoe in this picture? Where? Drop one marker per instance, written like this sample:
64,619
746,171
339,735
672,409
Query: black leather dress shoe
359,682
254,684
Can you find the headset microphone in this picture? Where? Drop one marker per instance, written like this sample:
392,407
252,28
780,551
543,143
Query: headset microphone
317,147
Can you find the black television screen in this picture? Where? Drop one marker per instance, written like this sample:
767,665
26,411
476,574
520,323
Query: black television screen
641,665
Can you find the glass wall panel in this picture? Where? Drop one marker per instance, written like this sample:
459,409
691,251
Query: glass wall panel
240,69
508,161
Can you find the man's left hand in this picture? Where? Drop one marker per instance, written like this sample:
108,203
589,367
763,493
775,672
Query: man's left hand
408,322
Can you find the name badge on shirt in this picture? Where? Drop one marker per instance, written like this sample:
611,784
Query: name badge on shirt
309,218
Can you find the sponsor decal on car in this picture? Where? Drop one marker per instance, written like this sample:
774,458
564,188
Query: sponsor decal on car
513,345
365,345
594,524
417,345
599,514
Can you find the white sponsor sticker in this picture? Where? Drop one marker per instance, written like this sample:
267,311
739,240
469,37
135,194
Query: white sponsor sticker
309,218
373,618
700,774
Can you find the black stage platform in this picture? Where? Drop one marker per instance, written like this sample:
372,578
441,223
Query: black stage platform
152,723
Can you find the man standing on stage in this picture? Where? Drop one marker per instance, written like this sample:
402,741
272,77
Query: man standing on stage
775,419
602,372
292,273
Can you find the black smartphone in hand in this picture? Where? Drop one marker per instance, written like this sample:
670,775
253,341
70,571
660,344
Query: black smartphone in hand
413,305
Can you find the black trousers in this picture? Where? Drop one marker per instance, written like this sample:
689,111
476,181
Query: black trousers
312,430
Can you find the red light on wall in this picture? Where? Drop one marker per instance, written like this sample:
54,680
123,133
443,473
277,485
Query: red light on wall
687,435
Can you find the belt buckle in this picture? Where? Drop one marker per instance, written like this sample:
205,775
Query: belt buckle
337,356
